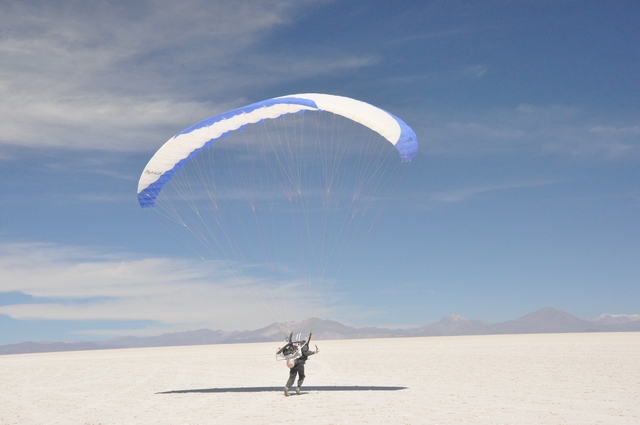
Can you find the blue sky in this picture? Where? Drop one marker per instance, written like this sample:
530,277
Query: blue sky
525,192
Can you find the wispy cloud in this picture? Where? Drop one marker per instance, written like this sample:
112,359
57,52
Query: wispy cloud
70,283
461,195
475,71
432,35
122,78
431,200
6,157
527,129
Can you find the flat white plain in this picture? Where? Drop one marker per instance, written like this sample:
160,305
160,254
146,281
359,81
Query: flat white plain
588,378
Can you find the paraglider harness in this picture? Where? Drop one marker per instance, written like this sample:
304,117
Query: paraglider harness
291,349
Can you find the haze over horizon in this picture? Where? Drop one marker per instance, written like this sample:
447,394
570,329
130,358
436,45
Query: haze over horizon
525,191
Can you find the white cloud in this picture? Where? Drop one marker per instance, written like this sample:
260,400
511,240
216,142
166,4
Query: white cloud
78,284
432,200
535,130
125,77
461,195
475,71
96,121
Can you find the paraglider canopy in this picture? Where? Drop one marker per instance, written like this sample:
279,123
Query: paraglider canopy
185,145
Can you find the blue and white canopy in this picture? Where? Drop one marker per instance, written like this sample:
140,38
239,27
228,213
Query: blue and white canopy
185,145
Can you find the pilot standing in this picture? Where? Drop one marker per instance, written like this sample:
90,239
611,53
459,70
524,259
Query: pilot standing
298,368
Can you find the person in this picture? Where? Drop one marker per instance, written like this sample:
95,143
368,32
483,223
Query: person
298,368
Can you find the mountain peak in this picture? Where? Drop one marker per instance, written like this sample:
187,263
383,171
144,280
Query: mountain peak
615,319
455,318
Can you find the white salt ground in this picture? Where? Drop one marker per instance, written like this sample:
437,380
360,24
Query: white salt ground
506,379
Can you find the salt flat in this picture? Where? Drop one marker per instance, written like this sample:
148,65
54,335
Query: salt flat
500,379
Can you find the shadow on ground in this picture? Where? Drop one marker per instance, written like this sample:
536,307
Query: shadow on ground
279,389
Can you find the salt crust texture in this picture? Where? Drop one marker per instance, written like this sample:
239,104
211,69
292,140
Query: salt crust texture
500,379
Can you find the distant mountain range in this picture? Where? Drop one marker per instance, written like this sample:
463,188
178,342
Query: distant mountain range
546,320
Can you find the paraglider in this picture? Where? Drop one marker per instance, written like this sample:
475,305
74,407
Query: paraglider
277,191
